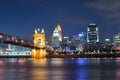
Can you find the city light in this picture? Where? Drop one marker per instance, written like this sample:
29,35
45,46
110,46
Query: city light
81,34
1,36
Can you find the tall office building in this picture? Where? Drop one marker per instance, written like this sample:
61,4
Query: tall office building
92,34
65,41
55,39
60,32
117,41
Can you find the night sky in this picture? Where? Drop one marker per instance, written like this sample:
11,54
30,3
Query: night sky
21,17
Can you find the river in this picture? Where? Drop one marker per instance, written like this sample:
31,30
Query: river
60,69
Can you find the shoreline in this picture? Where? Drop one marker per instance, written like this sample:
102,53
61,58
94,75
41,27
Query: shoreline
66,56
84,56
15,56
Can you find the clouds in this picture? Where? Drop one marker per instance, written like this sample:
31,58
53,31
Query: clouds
75,21
108,9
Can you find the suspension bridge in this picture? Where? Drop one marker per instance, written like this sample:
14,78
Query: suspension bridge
37,46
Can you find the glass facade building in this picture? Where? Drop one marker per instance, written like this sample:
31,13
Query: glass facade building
117,41
92,34
55,39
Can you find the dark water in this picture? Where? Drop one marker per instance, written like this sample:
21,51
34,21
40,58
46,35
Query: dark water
60,69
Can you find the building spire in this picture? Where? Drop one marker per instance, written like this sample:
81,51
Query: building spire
42,31
59,27
35,31
60,32
38,30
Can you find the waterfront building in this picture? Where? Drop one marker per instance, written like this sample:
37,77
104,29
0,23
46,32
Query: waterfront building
79,39
78,42
117,41
93,38
81,42
107,41
92,34
65,41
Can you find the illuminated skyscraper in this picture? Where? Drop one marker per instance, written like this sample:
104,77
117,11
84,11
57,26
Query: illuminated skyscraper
117,41
60,32
92,34
55,38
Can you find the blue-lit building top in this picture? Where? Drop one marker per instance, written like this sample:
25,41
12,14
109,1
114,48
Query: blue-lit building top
81,35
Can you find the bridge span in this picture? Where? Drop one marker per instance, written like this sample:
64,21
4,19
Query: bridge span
7,39
37,45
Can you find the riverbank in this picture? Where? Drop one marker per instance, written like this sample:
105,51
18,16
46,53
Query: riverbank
83,56
15,56
65,56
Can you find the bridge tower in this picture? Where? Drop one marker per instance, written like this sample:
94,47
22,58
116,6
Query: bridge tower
39,41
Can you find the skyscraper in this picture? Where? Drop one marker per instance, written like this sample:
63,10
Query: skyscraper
55,39
117,41
60,32
92,34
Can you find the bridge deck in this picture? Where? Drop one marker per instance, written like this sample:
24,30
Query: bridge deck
7,39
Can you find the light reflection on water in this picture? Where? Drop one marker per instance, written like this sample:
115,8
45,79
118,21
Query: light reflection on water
60,69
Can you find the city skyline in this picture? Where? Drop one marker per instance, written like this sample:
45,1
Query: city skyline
20,18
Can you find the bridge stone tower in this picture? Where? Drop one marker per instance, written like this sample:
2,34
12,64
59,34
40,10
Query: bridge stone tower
39,41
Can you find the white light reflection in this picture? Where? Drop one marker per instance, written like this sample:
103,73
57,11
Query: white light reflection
56,61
